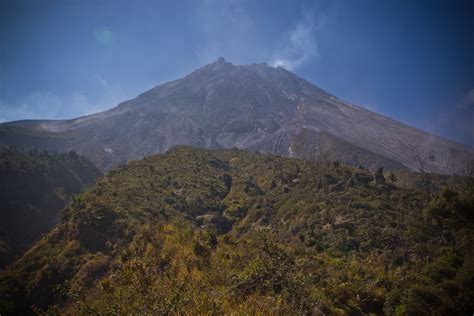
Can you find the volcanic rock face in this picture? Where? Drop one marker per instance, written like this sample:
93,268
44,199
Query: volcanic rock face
253,106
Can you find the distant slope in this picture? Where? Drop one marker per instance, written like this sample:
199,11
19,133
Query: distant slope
314,145
34,187
229,231
252,106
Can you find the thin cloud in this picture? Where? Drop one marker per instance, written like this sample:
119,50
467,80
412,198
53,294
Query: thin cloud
229,29
47,105
300,45
463,117
467,102
32,106
458,120
50,105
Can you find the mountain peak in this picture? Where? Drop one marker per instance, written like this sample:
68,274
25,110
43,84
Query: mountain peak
254,106
219,64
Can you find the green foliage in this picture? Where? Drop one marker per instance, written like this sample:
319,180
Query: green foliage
228,231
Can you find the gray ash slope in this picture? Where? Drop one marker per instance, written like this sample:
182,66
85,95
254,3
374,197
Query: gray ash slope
255,107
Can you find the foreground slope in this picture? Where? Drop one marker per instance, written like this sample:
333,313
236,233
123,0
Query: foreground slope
254,107
199,231
34,187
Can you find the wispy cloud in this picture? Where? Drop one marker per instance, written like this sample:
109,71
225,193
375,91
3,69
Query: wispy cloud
467,102
300,45
32,106
229,29
48,105
463,117
51,105
457,120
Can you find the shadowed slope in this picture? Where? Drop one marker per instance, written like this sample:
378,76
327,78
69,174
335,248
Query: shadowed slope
34,187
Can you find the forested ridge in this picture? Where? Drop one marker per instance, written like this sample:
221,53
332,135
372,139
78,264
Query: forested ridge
229,231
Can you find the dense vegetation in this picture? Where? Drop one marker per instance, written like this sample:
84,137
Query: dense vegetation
34,187
202,232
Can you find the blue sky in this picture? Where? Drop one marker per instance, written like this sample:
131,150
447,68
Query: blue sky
410,60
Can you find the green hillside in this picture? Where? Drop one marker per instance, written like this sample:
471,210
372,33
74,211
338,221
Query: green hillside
212,232
34,187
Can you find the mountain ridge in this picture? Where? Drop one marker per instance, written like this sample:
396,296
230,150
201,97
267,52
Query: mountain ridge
255,107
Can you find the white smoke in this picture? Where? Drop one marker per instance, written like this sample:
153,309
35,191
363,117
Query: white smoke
300,45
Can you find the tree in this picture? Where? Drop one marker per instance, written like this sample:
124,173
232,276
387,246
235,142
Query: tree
378,176
425,177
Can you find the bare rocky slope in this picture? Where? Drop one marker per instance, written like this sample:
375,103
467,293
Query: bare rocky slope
254,107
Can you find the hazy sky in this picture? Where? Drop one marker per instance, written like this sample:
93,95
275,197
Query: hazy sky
410,60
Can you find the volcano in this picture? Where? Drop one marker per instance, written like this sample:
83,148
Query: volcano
255,107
